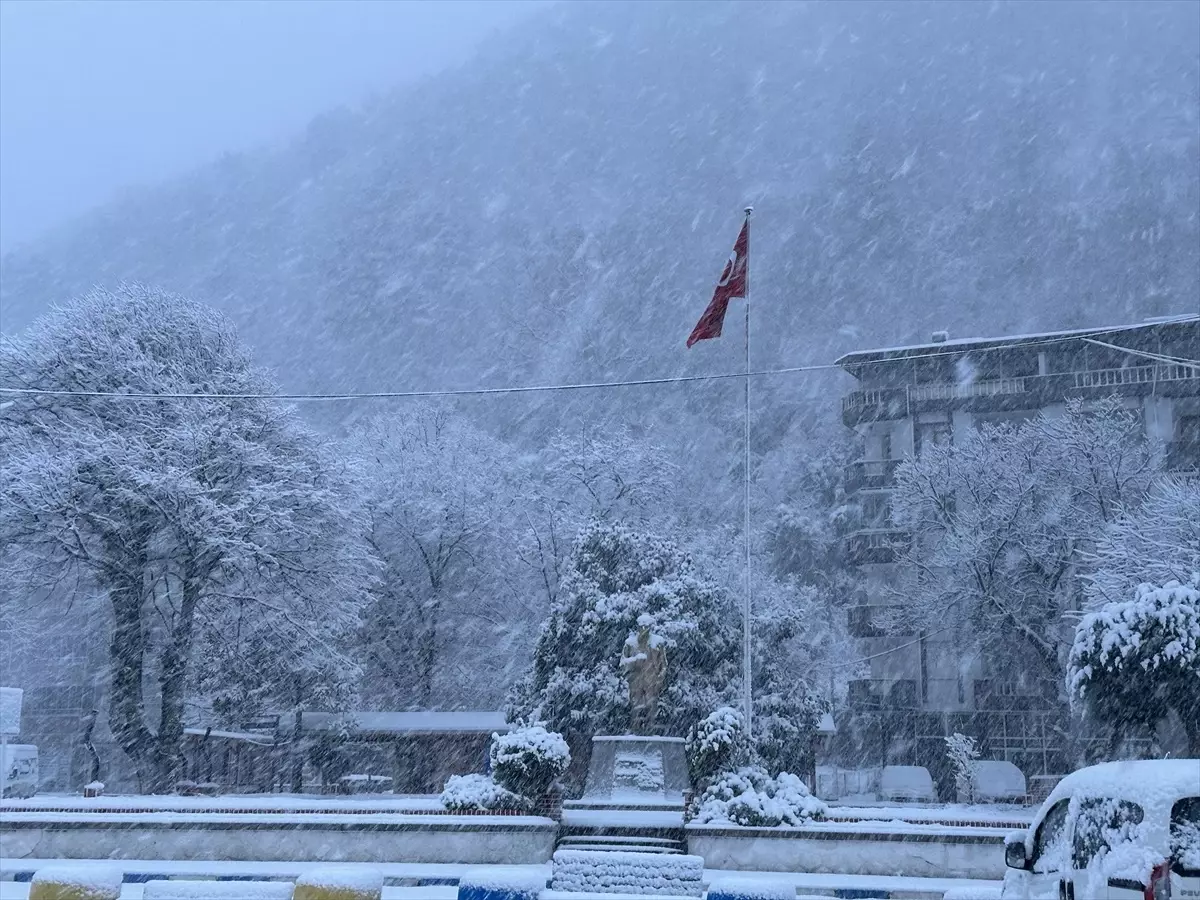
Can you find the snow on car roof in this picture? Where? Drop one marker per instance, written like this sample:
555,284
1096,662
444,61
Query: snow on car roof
1149,782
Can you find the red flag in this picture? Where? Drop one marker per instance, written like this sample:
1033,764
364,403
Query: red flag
731,284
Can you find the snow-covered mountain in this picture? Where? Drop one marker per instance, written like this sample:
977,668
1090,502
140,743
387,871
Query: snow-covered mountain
558,208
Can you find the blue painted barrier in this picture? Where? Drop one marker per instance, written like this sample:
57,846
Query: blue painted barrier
499,884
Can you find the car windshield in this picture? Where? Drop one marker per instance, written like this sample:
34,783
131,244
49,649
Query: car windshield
1185,837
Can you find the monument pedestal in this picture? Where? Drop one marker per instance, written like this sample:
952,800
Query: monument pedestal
632,771
634,796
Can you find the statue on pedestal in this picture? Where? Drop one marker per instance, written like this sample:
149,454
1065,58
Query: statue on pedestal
644,664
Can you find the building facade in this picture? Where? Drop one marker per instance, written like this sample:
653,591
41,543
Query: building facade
909,398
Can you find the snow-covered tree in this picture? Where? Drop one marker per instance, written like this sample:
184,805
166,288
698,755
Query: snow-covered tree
447,619
617,574
593,474
800,642
962,752
1156,542
998,521
614,575
1135,660
190,515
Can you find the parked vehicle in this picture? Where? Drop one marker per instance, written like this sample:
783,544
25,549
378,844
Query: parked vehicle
907,784
1116,831
19,769
997,781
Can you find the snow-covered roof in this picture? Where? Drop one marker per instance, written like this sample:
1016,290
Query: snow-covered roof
884,353
470,721
1145,781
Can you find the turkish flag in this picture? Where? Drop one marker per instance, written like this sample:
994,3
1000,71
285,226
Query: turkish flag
732,284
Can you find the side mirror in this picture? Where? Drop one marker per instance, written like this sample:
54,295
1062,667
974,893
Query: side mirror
1014,854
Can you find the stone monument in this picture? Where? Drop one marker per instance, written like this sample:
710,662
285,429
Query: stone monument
644,664
640,769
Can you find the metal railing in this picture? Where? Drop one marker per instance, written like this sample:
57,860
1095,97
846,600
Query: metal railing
1083,380
970,389
870,474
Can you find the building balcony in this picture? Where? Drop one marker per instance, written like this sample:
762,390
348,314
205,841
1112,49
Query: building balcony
1025,392
879,694
867,621
870,475
876,545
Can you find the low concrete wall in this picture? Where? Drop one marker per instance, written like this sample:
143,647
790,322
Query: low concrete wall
519,840
936,855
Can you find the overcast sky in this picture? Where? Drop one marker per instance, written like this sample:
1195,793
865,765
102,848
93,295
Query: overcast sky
99,94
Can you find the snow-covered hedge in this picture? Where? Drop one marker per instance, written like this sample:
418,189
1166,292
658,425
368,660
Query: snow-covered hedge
715,744
480,793
751,797
627,872
527,760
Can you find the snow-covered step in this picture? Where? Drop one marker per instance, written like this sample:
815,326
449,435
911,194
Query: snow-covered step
622,839
636,848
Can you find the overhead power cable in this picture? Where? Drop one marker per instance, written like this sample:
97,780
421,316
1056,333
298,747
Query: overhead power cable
1156,357
591,385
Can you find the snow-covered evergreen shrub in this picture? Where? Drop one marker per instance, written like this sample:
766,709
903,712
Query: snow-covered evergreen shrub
1133,660
480,792
716,744
962,752
527,760
614,575
752,798
784,725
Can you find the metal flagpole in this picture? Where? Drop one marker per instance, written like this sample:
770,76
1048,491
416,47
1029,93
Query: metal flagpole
746,667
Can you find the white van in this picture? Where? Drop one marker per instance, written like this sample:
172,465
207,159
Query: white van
19,769
1117,831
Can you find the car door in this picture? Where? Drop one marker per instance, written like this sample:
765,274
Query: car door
1048,859
1100,827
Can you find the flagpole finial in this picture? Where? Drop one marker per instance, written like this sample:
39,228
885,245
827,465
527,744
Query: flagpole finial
749,209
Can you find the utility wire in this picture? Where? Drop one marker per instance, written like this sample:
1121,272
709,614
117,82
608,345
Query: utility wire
925,636
592,385
1157,357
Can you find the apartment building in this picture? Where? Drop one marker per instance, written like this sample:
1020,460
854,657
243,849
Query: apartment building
908,398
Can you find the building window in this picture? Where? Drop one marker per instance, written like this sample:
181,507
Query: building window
876,511
1187,433
928,434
